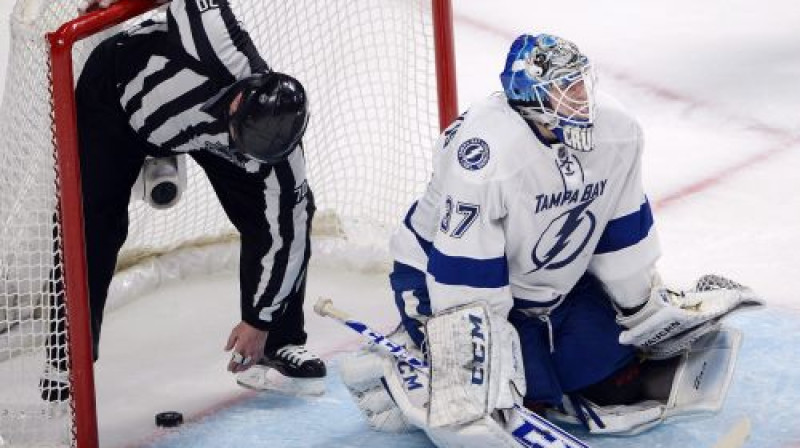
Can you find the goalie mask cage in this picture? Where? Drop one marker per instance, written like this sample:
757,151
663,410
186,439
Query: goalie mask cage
380,81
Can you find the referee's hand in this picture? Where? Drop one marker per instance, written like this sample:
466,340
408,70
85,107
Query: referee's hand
247,345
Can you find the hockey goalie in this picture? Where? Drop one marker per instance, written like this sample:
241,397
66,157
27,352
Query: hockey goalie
526,277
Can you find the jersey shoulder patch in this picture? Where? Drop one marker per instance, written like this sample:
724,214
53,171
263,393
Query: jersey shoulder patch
486,142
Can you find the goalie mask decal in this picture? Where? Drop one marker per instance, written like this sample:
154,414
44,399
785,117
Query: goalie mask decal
548,81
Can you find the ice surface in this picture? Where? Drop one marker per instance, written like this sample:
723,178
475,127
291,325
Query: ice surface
761,390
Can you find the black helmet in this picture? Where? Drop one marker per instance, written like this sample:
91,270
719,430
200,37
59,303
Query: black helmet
270,118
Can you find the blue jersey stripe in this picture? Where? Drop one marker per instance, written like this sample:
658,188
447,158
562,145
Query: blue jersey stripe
425,244
404,278
626,231
486,273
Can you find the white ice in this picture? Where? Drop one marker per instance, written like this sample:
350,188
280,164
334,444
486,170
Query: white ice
715,85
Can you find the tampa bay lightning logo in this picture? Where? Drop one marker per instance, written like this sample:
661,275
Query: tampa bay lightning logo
473,154
564,239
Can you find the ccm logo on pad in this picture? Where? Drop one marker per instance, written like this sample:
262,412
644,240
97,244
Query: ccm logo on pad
478,349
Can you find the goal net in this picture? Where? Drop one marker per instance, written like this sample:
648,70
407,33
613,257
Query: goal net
370,70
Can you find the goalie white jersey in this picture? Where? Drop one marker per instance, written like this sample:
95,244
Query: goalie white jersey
509,219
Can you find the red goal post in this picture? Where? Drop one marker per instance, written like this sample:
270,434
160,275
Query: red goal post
419,99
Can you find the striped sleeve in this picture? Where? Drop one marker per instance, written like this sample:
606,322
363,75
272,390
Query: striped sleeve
274,272
209,32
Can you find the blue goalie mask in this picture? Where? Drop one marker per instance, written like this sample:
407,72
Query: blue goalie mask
550,82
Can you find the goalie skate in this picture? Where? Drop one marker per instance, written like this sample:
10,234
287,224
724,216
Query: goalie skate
291,370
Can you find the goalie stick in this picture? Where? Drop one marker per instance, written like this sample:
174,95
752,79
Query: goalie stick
532,431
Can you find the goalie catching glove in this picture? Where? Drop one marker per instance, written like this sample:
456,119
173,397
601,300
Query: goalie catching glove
670,321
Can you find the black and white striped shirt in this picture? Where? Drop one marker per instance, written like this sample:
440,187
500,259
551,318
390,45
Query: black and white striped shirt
169,66
178,62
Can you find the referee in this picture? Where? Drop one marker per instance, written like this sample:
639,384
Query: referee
192,82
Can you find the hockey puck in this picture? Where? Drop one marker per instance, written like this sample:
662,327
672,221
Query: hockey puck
169,419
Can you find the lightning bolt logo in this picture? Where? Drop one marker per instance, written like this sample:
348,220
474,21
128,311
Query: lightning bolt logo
564,239
473,154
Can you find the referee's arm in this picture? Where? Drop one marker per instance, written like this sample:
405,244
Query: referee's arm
210,32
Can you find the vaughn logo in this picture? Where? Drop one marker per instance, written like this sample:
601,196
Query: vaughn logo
564,238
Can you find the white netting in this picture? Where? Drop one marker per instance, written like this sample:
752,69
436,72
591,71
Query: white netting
368,67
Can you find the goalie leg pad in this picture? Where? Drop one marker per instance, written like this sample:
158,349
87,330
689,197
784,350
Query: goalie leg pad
481,433
476,365
698,382
704,374
516,427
